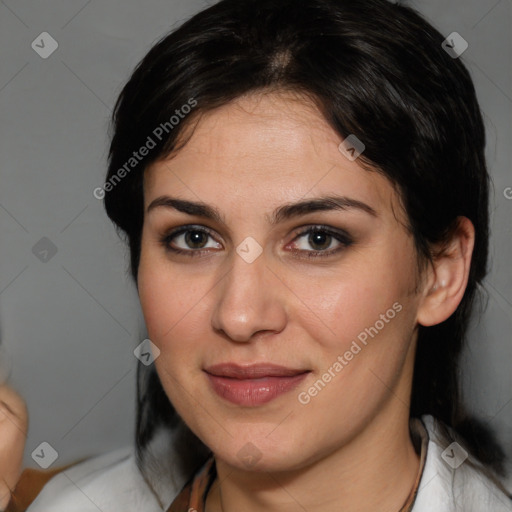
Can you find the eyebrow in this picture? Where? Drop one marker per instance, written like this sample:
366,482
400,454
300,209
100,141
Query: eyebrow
280,214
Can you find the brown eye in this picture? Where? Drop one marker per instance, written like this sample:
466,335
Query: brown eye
196,239
188,240
318,241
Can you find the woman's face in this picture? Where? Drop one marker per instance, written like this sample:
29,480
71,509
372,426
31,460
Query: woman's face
284,331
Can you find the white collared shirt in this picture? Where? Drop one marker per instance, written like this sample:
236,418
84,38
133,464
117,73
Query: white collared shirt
113,483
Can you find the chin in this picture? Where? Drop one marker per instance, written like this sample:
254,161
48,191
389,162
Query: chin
259,454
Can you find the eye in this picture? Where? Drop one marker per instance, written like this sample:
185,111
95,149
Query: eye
189,240
192,240
324,241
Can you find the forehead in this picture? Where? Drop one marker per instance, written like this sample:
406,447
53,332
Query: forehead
264,149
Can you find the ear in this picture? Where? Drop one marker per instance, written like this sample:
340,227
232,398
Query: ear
448,275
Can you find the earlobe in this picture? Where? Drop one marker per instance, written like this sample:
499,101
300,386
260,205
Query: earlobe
445,288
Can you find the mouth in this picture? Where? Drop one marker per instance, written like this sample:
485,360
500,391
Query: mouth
253,385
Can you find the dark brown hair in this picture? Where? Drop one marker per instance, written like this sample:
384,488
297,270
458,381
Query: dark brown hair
375,69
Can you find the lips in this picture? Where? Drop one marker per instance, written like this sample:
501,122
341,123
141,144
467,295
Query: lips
255,371
255,384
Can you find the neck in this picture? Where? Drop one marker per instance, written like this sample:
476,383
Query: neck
375,471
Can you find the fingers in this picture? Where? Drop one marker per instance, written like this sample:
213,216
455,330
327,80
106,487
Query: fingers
13,432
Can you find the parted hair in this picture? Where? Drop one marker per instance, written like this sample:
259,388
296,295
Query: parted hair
375,69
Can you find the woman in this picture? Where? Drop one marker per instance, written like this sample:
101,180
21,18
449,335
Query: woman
308,227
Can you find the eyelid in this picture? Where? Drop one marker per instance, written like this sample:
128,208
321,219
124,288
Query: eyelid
341,236
174,233
308,228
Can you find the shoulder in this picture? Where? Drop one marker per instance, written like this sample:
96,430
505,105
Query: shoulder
115,481
452,480
110,482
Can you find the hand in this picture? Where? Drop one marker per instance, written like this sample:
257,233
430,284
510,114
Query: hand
13,431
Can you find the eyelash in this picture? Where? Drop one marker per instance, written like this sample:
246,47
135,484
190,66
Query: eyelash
343,238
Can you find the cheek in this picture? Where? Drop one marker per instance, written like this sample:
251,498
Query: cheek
372,313
174,308
360,350
170,317
156,302
164,293
366,297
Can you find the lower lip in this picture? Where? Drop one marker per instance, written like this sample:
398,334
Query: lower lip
253,392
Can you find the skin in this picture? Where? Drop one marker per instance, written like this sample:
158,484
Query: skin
350,445
13,430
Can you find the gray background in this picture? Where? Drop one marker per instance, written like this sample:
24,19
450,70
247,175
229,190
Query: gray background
70,324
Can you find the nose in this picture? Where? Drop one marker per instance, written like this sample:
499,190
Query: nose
250,300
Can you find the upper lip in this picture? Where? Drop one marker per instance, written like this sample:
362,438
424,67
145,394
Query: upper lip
253,371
